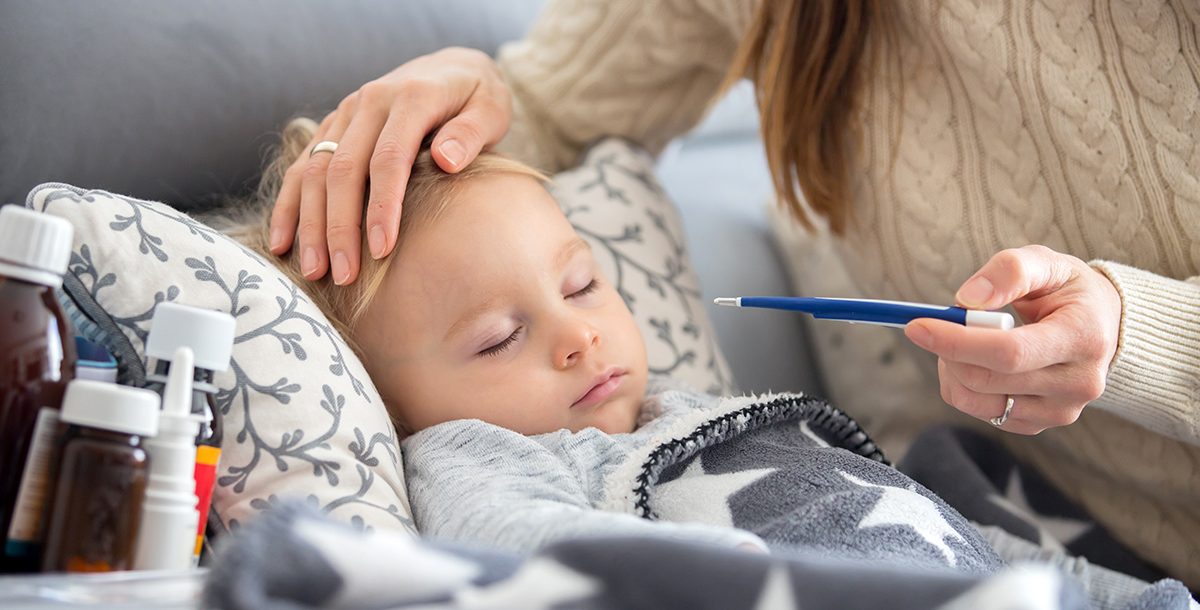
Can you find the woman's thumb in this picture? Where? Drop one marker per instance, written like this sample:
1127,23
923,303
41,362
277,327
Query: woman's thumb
1012,274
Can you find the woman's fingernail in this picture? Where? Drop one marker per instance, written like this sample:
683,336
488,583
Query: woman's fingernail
308,262
976,293
453,152
276,238
920,335
341,268
377,241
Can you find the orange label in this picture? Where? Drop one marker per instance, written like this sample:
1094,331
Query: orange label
207,455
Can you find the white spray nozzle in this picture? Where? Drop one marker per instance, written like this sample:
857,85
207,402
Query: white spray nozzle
177,395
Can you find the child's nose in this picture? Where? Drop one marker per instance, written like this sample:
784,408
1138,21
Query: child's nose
576,340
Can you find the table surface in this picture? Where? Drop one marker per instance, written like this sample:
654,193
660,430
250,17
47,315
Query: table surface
167,590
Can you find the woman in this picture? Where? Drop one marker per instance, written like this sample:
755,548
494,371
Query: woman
937,141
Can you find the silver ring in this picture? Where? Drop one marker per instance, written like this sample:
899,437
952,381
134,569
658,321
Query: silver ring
999,421
323,146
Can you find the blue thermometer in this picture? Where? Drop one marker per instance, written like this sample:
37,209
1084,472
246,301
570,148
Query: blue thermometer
867,311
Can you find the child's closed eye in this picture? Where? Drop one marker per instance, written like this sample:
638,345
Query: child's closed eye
586,290
503,345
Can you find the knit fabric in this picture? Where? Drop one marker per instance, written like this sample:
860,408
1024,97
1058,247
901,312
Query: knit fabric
990,125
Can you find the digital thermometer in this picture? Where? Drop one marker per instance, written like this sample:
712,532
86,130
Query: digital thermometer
868,311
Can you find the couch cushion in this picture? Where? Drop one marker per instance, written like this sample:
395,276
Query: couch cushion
176,101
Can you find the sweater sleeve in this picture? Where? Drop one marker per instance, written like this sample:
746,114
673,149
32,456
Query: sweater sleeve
1155,378
645,70
479,484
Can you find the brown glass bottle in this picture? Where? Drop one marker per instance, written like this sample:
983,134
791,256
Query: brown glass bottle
37,359
95,516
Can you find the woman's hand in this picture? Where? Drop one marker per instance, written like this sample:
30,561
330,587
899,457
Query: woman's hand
1053,365
379,129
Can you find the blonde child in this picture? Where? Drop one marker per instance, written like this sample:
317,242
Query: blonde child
519,381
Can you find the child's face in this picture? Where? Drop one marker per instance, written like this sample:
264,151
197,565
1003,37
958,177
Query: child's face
496,310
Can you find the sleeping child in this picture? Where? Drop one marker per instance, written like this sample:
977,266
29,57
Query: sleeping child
518,380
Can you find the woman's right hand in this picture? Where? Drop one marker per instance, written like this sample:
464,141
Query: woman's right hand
379,129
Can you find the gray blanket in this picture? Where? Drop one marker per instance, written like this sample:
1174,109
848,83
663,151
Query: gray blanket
295,558
778,471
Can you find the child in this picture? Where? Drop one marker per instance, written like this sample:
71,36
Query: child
519,380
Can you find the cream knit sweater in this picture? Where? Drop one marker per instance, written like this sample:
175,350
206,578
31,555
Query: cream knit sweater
1066,123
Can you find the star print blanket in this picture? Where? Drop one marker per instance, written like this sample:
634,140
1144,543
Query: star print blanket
778,471
332,565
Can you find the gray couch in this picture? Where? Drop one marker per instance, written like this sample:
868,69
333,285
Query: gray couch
177,101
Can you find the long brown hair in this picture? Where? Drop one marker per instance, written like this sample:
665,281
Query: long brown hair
808,59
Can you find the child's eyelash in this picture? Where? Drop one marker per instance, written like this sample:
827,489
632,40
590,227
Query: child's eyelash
590,288
498,348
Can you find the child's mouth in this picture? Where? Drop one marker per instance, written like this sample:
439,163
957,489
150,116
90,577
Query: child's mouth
601,389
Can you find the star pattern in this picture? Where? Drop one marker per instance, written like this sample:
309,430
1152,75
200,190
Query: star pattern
806,431
1053,532
898,506
676,500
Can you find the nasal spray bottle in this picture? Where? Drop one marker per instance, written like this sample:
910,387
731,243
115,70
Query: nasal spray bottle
209,334
169,516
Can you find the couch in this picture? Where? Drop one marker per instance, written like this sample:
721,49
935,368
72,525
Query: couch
105,95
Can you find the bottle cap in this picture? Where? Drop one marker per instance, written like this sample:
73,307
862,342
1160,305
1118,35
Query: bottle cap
111,407
34,247
209,333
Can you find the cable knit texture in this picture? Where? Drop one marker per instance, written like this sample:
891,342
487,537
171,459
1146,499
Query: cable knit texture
1067,123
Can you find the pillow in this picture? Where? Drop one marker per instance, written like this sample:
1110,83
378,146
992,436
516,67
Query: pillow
616,204
301,416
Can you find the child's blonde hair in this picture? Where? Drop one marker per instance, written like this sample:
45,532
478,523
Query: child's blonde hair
429,190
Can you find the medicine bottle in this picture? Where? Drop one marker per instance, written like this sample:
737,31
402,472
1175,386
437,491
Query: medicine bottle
37,359
95,513
209,334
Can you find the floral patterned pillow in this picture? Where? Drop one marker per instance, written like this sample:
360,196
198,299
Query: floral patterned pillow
301,415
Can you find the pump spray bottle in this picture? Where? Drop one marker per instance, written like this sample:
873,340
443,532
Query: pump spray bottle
169,515
210,336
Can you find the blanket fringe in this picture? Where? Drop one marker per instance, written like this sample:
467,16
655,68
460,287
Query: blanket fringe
830,423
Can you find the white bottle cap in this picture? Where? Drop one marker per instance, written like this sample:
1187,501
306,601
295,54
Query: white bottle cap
209,333
34,247
111,407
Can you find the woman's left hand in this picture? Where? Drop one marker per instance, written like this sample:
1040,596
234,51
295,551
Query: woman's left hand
1053,365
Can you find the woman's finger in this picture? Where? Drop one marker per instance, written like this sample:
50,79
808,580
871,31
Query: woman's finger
1066,381
391,164
482,122
347,183
314,260
1022,349
1036,413
285,214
